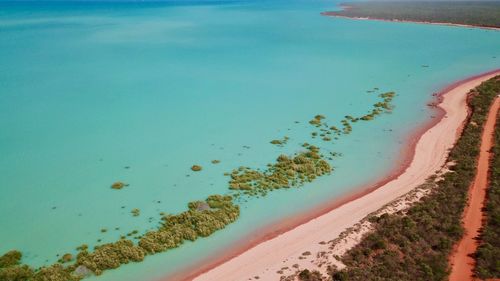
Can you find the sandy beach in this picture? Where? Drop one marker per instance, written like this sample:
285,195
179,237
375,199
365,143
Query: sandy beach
268,257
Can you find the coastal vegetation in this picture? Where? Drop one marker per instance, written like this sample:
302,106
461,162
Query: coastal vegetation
191,224
196,168
202,217
326,131
488,253
316,121
281,142
415,245
135,212
476,13
66,258
217,213
307,275
10,258
300,168
285,172
118,185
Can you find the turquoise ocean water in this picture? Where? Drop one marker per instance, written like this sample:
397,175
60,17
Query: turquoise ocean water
87,89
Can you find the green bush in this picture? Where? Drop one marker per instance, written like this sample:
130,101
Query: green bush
217,212
480,13
488,253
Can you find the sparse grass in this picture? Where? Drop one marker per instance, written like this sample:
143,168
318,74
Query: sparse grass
488,253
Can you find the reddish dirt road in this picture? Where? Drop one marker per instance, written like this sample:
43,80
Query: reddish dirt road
462,265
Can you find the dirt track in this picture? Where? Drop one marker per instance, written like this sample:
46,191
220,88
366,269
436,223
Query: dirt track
462,264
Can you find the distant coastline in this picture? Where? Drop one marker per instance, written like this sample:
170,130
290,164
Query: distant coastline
347,8
332,14
268,234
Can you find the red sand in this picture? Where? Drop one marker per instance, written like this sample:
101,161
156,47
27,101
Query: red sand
462,265
271,231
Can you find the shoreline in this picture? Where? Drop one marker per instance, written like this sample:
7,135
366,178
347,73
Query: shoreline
331,14
279,231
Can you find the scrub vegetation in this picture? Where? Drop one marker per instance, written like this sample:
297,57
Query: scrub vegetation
196,168
118,185
174,230
476,13
285,172
488,253
281,142
327,132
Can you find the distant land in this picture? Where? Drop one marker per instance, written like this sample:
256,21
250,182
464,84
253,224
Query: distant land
474,13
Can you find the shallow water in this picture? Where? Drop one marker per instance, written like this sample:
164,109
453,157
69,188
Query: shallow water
88,89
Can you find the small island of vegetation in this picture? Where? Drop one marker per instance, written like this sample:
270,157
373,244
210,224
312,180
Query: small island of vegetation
281,142
286,172
218,212
118,185
196,168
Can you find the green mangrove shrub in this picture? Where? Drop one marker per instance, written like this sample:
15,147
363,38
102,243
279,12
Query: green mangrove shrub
488,252
118,185
281,142
191,224
385,105
196,168
285,172
200,220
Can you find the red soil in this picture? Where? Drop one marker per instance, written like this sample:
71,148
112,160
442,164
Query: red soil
462,265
